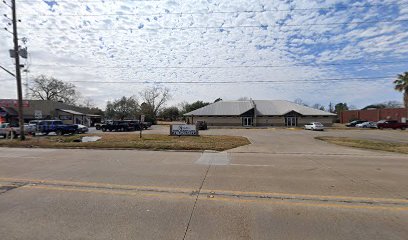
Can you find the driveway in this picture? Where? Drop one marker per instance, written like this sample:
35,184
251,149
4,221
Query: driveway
285,185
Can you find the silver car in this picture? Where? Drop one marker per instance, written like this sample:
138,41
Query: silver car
314,126
367,125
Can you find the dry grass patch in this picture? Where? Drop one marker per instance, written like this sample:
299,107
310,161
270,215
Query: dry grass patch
132,141
367,144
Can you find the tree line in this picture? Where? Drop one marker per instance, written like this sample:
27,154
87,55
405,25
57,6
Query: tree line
151,102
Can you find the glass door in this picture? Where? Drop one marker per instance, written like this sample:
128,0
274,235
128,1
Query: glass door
247,121
291,121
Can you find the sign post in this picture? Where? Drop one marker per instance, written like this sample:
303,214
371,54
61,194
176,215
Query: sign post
142,119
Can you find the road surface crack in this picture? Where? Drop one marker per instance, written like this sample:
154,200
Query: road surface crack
11,186
195,201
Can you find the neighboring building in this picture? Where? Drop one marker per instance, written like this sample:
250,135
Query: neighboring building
258,113
375,115
46,109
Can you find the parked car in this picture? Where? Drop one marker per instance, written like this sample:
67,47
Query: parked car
57,126
6,129
119,126
391,124
135,125
314,126
82,128
202,125
354,123
98,126
367,125
146,125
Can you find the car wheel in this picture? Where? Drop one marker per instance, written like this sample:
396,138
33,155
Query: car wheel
402,128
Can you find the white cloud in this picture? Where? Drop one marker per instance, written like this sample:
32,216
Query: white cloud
112,48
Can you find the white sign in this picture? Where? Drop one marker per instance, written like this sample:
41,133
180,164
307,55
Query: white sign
38,114
183,130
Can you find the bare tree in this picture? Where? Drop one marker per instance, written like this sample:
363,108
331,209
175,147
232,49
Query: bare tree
243,99
154,99
318,106
50,88
300,102
86,102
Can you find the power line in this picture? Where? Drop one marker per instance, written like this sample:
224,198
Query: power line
322,80
223,12
262,26
88,1
220,67
242,81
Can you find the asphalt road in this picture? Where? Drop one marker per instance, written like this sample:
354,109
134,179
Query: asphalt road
285,185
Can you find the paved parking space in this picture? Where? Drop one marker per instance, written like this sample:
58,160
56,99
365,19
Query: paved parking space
285,185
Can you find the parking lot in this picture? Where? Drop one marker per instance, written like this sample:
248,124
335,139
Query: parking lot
285,185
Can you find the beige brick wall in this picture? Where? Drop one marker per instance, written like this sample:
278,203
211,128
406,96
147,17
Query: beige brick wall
219,121
270,121
323,120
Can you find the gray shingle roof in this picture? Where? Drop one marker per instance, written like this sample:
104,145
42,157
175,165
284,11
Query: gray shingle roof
264,108
224,108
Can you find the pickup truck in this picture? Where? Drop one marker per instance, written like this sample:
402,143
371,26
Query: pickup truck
6,129
391,124
146,125
47,126
121,125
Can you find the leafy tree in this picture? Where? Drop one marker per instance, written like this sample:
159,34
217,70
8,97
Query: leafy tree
188,107
218,99
50,88
154,99
124,108
389,104
401,85
170,113
340,107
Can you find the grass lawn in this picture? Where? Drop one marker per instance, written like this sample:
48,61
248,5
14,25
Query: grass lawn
367,144
132,141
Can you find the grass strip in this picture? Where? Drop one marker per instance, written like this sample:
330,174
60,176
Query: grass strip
132,141
367,144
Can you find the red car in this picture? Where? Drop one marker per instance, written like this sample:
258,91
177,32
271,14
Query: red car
391,124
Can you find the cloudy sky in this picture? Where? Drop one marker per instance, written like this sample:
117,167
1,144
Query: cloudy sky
318,50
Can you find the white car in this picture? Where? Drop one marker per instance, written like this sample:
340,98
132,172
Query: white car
367,125
314,126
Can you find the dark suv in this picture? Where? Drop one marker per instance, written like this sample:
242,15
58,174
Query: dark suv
201,125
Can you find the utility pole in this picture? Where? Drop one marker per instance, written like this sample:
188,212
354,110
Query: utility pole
18,72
